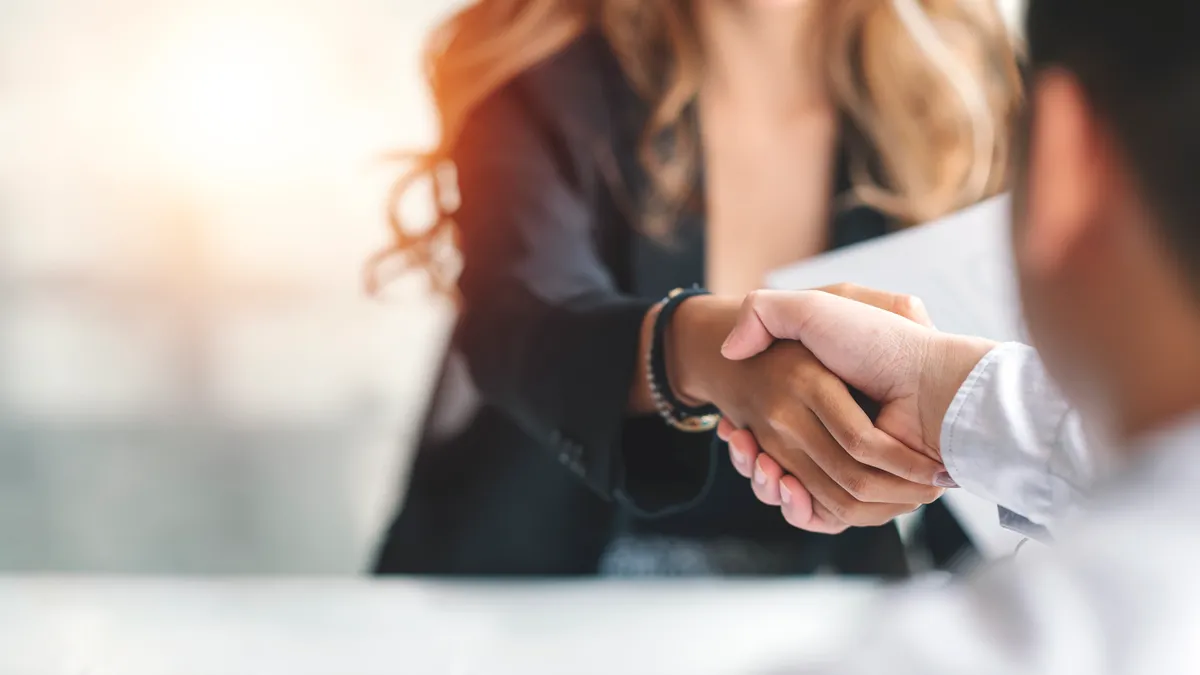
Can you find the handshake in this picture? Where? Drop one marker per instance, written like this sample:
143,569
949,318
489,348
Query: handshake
797,432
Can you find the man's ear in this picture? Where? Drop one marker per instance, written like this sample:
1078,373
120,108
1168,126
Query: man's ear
1065,180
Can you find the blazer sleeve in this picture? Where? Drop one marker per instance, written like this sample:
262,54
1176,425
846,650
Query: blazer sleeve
548,337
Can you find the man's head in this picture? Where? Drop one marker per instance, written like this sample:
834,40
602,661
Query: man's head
1107,209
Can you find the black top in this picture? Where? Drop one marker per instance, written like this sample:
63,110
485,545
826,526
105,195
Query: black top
556,281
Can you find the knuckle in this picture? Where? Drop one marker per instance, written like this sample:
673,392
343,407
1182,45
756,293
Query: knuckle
831,524
856,485
823,394
909,306
822,389
784,411
836,510
811,374
780,417
857,445
843,509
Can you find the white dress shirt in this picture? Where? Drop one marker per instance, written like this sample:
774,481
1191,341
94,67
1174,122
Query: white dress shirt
1011,438
1119,590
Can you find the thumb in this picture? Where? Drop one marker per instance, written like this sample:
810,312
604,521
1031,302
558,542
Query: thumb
870,349
766,316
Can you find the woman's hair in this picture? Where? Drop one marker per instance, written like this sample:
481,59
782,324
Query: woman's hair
930,86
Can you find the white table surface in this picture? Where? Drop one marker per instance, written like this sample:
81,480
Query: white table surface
101,626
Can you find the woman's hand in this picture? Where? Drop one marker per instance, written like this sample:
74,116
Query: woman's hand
772,485
802,414
775,487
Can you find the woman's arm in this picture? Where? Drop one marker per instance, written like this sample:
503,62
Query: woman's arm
548,336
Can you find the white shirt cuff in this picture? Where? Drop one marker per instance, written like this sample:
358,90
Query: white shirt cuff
1003,436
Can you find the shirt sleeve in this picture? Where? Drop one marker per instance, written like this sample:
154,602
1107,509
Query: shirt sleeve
548,336
1010,437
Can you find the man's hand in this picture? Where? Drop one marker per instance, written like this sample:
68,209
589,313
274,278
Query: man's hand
910,369
908,306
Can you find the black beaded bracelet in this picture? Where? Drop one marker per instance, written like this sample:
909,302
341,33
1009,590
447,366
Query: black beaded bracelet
676,413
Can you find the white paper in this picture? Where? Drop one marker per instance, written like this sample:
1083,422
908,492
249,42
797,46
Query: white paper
960,266
962,269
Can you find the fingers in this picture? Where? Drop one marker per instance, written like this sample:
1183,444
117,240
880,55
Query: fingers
851,445
743,451
826,521
801,512
794,500
840,507
764,473
832,507
764,317
780,489
767,473
860,481
773,487
725,428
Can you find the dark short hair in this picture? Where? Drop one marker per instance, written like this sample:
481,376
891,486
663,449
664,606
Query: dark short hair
1139,65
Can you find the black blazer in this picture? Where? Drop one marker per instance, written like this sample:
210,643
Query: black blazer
556,281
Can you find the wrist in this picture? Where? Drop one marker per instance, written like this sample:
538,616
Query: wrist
693,346
952,358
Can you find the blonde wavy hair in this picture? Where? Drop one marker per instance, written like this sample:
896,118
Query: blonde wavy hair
931,86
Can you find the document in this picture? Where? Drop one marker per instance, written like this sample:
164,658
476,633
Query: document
961,267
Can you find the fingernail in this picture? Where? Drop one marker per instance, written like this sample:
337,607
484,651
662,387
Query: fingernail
943,480
785,495
739,459
759,476
726,343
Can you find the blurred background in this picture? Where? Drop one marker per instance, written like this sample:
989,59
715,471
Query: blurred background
191,378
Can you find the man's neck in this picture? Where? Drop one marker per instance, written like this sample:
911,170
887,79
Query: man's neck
1161,408
1160,384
